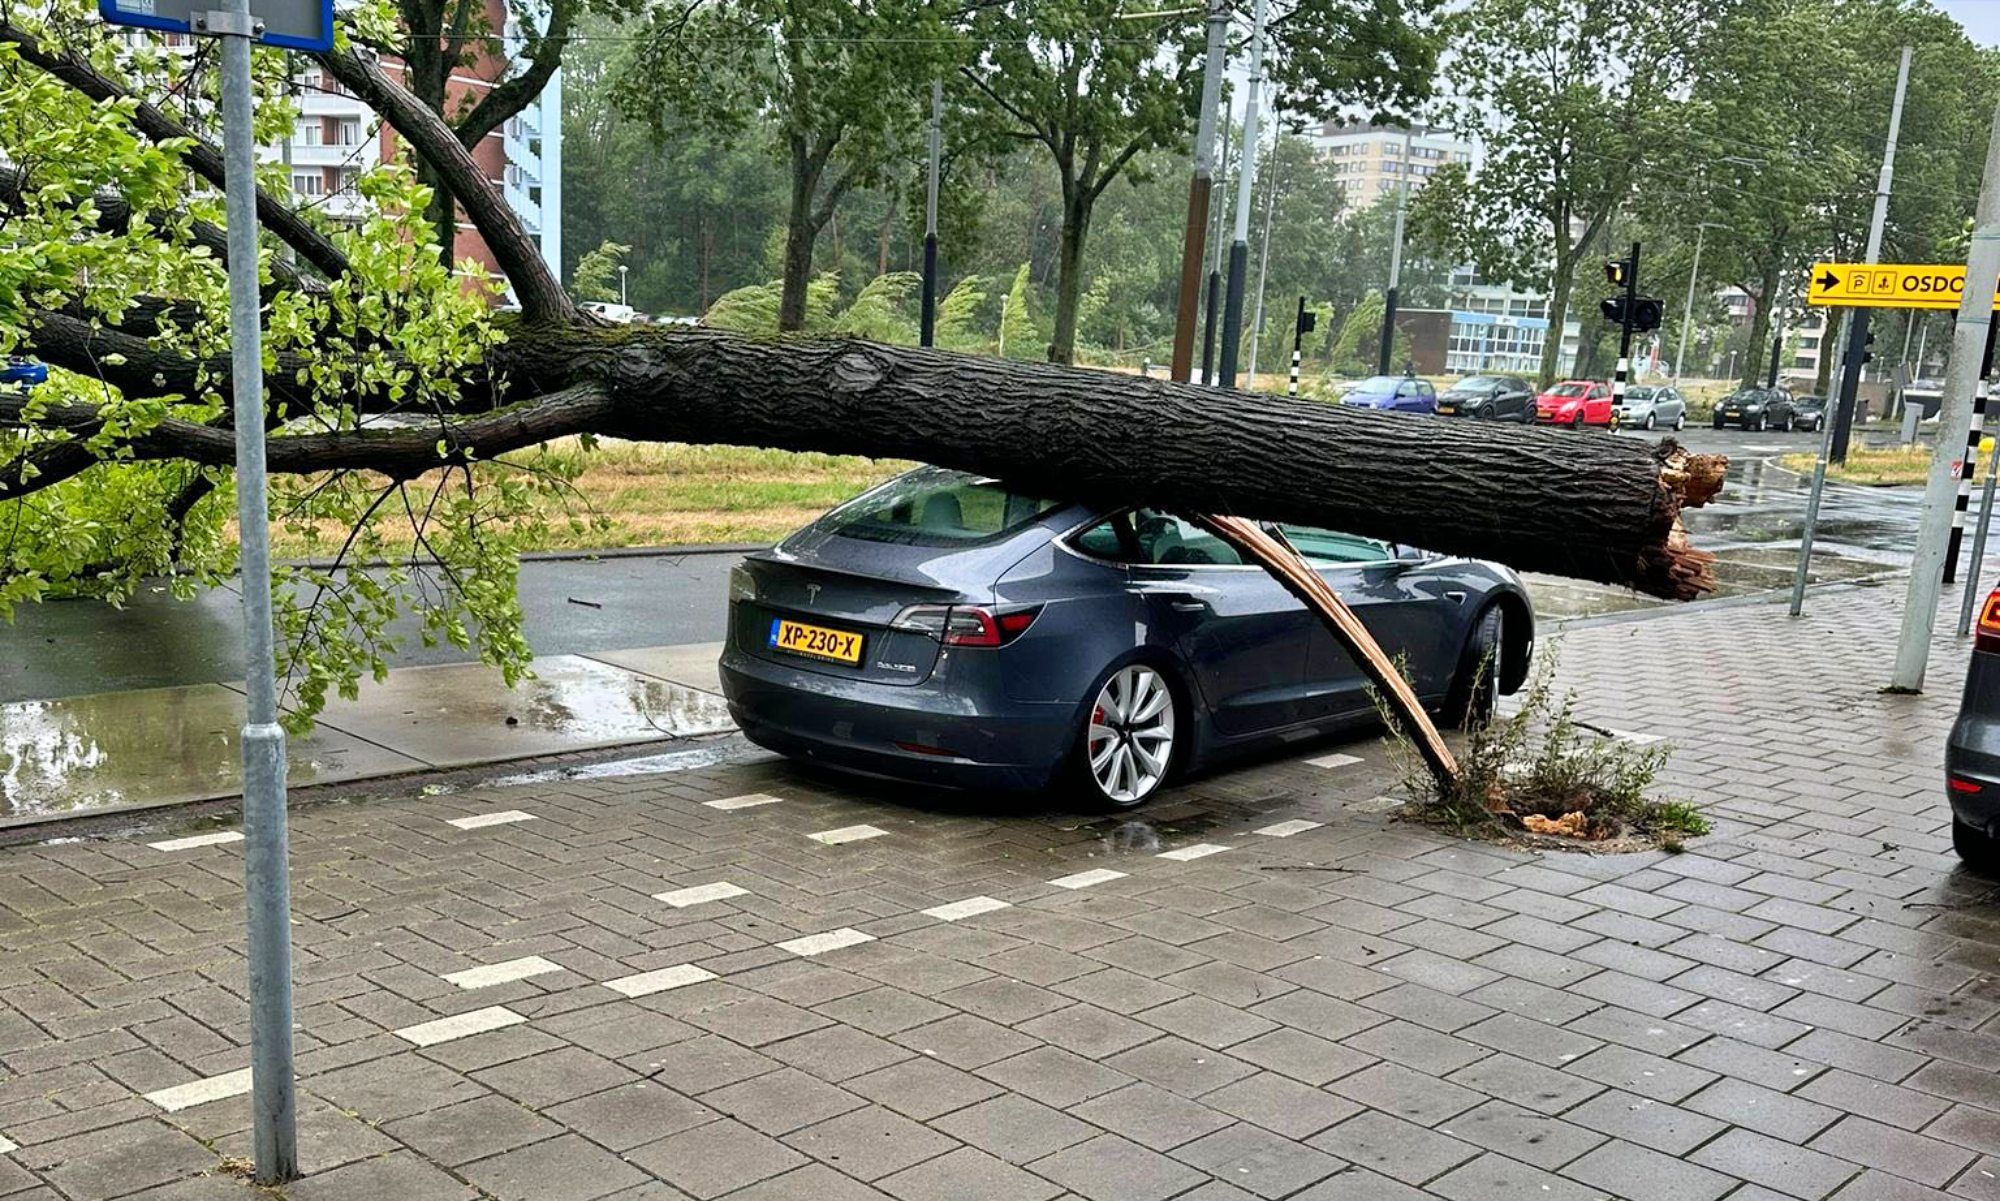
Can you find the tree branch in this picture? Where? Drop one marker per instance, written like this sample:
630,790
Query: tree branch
541,294
399,453
544,55
202,158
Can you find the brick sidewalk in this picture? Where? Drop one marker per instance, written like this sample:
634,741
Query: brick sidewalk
637,992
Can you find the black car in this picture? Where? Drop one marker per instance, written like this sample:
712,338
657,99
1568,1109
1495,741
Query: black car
1809,413
1490,398
1972,752
1756,409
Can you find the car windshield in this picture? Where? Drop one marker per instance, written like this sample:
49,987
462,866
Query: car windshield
1745,396
1567,390
934,507
1640,393
1378,383
1479,383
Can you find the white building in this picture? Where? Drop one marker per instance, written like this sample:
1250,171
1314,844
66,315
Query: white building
1371,160
1496,327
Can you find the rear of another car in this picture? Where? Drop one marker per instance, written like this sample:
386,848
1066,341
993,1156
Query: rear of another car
1972,753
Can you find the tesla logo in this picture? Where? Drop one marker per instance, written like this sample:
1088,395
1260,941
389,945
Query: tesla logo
812,593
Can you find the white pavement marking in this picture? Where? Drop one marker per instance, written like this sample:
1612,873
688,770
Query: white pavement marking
198,840
1287,829
747,801
1335,760
1634,739
480,821
832,940
200,1092
681,898
1197,851
502,973
645,984
969,907
6,1146
834,838
1086,879
463,1025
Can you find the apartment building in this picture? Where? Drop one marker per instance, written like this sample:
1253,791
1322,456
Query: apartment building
1371,161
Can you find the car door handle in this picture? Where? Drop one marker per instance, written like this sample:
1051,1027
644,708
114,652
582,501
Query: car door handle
1455,595
1188,606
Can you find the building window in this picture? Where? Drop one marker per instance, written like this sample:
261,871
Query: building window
309,184
350,131
308,133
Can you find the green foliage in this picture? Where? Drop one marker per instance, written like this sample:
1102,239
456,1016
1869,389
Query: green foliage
1021,334
884,309
1541,761
1354,351
596,274
956,313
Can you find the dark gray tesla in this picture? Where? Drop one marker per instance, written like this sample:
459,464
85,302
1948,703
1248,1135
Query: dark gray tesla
947,628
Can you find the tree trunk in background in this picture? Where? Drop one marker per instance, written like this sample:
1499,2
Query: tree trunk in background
1069,275
1558,312
1594,508
1757,354
800,234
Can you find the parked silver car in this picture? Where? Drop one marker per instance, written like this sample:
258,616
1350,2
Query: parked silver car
1647,407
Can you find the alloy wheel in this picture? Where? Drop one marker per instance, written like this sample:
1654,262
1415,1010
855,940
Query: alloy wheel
1131,738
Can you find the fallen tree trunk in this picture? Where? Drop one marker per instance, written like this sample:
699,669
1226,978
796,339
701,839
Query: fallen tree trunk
1575,504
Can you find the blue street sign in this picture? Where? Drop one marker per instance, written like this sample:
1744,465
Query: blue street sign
288,24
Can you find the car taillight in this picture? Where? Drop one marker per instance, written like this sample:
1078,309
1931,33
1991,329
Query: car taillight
1987,636
742,585
966,625
1961,785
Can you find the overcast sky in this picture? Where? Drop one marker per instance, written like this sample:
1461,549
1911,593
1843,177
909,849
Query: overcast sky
1981,18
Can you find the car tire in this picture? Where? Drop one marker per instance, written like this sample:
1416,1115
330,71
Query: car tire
1757,428
1786,426
1680,422
1979,851
1486,413
1126,782
1718,423
1475,693
1578,423
1651,421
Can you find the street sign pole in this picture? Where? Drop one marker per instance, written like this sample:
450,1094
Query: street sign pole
1857,328
1301,324
1625,335
1991,449
927,328
1246,173
1971,456
1969,334
267,889
266,875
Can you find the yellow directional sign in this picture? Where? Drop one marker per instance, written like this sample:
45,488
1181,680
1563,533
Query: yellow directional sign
1888,285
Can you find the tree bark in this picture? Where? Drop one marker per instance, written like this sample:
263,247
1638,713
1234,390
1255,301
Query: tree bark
1559,291
1756,357
800,234
1069,274
1604,509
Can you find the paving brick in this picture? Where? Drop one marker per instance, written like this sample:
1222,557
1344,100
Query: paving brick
1493,1175
1534,1138
1016,1129
1394,1147
782,1101
398,1177
1649,1123
1392,1088
1634,1173
1180,1066
965,1041
560,1169
630,1115
1152,1117
1897,1152
1054,1076
1638,1072
870,1142
968,1175
922,1088
1258,1161
475,1129
708,1161
555,1076
1108,1168
1302,1056
1884,1102
1280,1104
1775,1164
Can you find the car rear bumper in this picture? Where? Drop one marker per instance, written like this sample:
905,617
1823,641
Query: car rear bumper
1972,751
962,732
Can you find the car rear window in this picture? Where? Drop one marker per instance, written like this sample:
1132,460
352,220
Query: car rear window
938,508
1568,390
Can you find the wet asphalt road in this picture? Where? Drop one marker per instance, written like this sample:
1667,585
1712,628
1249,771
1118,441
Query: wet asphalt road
74,648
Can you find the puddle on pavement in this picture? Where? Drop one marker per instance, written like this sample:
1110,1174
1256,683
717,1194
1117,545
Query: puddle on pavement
646,765
168,745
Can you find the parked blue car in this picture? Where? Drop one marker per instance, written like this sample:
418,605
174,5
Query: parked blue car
17,372
1402,394
951,629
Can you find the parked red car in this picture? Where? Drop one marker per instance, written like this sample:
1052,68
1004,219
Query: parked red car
1576,402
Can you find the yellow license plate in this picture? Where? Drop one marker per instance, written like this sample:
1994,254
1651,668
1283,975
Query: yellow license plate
1447,410
816,642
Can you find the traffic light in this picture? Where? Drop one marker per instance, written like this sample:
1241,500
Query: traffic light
1617,271
1613,308
1647,312
1867,355
1308,321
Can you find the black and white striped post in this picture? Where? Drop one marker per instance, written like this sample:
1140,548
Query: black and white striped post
1301,326
1629,310
1971,457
